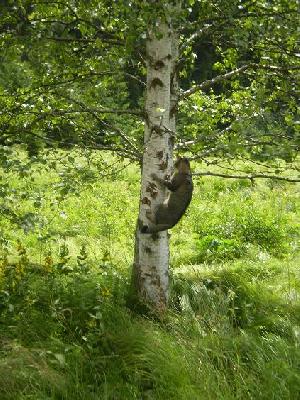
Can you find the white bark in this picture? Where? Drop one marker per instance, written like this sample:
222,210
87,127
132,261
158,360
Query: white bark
152,252
174,90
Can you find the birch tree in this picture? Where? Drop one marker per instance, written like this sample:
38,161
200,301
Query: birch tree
152,253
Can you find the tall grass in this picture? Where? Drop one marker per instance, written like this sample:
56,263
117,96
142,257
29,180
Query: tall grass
233,327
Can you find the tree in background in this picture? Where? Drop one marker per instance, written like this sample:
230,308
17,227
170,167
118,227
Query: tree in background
97,74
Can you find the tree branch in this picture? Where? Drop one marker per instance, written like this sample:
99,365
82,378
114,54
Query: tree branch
281,69
195,35
83,40
99,32
125,139
90,110
94,146
217,134
209,83
101,110
249,176
220,78
119,131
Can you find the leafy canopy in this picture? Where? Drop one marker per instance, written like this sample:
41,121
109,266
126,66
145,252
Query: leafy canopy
72,73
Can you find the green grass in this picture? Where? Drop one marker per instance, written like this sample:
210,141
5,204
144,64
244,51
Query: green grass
233,327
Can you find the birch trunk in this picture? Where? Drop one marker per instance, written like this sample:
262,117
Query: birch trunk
151,264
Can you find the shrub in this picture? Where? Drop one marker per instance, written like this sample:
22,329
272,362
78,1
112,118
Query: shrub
213,249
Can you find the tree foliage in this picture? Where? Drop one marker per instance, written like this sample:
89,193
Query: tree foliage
73,72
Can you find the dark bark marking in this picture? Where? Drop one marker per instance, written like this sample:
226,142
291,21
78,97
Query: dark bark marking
148,250
145,200
156,82
171,141
160,154
157,129
163,165
152,189
158,64
155,236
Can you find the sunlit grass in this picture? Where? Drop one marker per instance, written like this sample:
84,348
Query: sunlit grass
233,327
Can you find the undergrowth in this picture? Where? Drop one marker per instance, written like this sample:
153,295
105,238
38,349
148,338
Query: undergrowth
233,327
